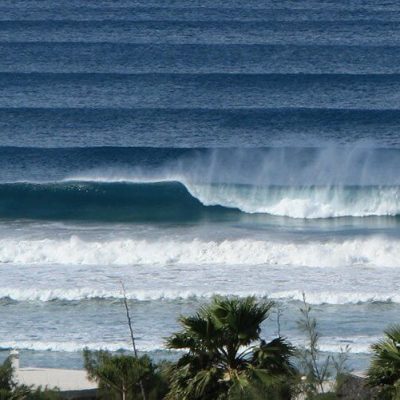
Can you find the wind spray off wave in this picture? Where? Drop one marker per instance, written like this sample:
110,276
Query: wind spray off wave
147,184
131,201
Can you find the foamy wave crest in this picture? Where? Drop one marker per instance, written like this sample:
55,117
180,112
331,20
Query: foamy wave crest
303,202
337,298
307,201
295,182
317,298
44,295
356,344
67,346
376,251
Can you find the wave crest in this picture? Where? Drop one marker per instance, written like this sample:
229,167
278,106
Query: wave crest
357,344
303,202
123,199
86,293
374,251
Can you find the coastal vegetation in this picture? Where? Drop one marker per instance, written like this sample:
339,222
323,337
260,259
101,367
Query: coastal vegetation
384,370
225,357
322,374
222,354
120,376
10,389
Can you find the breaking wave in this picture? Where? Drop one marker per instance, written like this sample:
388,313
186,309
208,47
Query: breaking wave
119,200
81,294
373,251
304,201
357,344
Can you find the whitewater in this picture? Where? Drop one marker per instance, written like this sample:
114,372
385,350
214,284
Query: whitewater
370,252
229,149
179,226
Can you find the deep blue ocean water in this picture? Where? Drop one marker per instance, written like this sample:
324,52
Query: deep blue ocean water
190,150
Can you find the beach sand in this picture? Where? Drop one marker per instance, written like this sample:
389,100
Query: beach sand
63,379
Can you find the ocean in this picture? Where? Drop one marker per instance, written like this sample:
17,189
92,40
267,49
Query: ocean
188,150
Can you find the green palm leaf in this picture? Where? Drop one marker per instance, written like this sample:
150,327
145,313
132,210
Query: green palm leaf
384,370
225,356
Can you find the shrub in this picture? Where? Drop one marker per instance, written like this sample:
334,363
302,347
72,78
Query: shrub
119,376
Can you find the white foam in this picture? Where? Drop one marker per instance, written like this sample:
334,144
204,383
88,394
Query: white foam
316,298
304,202
308,202
65,346
375,251
356,344
299,183
337,297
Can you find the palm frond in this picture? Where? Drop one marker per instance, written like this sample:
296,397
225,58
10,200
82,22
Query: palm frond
224,353
275,356
385,363
241,317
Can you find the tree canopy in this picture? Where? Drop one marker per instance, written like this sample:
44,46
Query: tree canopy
225,357
384,370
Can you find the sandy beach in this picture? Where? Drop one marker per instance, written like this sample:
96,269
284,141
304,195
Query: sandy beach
62,379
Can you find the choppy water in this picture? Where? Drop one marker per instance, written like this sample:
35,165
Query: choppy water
193,150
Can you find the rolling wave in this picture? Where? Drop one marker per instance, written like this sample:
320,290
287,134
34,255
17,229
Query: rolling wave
358,344
303,202
372,252
98,201
68,346
87,293
121,200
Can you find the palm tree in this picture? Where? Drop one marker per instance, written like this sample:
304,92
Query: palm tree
225,357
384,370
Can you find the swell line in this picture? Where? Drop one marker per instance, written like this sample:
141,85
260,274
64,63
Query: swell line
118,199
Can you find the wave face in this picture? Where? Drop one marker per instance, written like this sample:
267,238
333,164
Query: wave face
172,184
102,202
173,201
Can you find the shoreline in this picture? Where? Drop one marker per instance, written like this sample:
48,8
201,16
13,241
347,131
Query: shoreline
71,381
